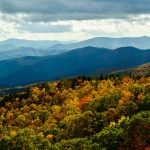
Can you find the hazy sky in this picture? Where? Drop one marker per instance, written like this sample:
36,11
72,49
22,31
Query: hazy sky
73,19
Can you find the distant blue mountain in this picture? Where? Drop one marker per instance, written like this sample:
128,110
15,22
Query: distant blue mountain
6,47
83,61
16,48
106,42
19,52
29,43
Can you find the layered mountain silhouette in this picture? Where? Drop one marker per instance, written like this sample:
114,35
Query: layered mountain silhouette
83,61
107,42
29,43
14,48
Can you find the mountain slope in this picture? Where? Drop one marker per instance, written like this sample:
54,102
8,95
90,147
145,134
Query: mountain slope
143,69
88,60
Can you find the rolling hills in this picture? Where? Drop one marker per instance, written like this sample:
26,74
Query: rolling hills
83,61
16,48
107,42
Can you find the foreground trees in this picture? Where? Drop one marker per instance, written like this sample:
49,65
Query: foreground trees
79,114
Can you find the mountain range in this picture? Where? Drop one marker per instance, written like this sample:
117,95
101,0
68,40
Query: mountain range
28,43
107,42
15,48
82,61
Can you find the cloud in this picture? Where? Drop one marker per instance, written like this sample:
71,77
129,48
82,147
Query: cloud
53,10
44,28
73,19
76,30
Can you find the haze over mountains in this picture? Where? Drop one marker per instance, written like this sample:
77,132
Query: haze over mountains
28,43
23,61
14,48
112,43
83,61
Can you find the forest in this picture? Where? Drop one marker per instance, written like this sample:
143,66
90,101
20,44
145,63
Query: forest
80,113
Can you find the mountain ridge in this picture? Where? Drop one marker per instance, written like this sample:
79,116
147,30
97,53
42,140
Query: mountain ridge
83,61
44,48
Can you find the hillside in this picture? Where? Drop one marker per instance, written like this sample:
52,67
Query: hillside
142,70
84,61
78,114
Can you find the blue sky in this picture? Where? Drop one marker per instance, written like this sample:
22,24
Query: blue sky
73,19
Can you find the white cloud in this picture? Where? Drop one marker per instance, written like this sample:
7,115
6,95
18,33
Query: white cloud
14,26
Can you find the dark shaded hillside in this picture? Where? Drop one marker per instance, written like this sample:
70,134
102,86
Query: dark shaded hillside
84,61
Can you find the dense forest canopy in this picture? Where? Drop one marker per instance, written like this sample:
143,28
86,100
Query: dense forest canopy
78,113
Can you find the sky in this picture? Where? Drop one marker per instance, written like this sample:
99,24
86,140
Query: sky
77,20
